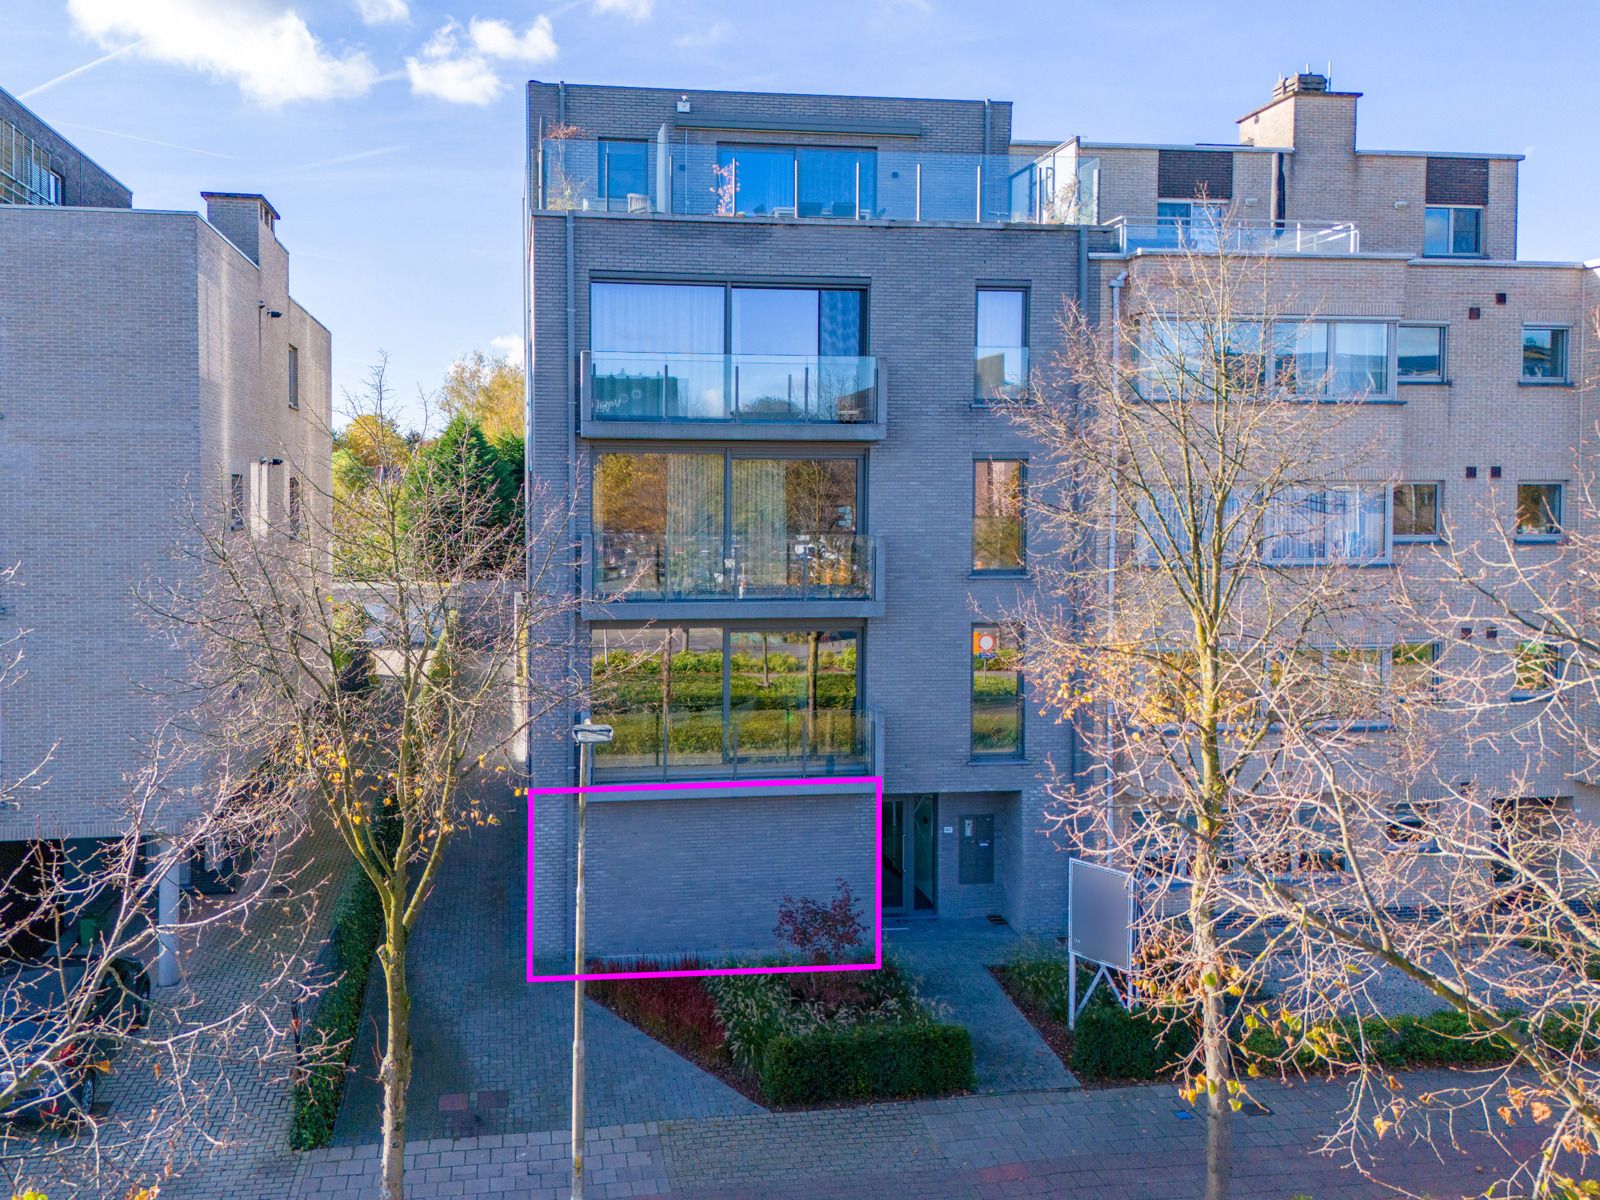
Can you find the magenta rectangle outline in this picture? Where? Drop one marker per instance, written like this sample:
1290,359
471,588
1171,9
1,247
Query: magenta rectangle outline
877,858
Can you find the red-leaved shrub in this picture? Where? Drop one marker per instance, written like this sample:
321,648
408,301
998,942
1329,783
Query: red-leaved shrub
821,933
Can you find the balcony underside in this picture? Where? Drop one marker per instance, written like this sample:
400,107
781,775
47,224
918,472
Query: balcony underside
766,608
745,430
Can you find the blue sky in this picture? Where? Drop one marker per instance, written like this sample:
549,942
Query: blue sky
389,133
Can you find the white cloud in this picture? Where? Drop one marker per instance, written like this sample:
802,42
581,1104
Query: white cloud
377,12
634,10
699,39
509,345
264,47
446,72
459,69
537,44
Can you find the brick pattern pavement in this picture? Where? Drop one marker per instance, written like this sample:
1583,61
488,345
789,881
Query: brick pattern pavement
951,961
1120,1143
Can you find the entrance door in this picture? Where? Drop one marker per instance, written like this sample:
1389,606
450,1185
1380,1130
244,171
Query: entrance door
910,863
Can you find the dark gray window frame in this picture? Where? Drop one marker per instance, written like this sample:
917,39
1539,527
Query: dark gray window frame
1019,572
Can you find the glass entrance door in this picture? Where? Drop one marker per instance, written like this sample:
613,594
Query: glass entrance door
910,861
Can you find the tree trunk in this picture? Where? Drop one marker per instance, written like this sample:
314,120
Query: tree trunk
1214,1046
395,1073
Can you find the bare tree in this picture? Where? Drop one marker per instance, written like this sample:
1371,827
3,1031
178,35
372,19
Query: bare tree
1207,516
395,686
1283,741
86,929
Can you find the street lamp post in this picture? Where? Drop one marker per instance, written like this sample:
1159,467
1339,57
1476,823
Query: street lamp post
588,735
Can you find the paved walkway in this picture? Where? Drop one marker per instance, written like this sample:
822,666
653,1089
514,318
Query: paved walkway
479,1025
951,960
1123,1144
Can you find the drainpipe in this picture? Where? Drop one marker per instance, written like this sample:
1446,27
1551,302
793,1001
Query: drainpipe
1111,532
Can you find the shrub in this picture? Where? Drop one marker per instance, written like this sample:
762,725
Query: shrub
1112,1043
822,933
867,1062
679,1012
356,929
1042,978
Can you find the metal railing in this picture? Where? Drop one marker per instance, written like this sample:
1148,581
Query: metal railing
751,743
697,178
639,386
633,566
1237,237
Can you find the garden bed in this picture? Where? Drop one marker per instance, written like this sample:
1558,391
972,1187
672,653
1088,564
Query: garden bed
799,1039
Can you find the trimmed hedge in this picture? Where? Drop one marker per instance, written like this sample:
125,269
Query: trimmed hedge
867,1062
356,929
1112,1043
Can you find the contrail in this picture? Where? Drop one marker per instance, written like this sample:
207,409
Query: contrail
88,66
343,158
134,137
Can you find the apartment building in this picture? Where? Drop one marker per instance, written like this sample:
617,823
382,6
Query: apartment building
767,334
154,365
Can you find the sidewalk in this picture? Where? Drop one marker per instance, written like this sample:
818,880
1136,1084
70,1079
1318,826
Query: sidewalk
1122,1143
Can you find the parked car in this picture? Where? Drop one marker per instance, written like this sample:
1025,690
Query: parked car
33,1002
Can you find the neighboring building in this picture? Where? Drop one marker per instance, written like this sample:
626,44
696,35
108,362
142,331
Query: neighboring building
151,364
764,332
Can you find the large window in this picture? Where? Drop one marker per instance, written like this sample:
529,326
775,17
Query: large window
1420,353
624,174
728,524
1344,524
704,700
1535,669
1544,353
769,180
1415,512
1338,358
999,541
714,351
997,693
1539,511
1002,345
1448,230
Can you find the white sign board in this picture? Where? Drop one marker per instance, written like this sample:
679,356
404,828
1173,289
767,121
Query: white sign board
1100,914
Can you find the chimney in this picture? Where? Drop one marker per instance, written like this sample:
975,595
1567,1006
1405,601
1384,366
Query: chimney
244,218
1305,114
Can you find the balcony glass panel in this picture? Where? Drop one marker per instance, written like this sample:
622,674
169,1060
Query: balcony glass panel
732,387
1172,231
702,702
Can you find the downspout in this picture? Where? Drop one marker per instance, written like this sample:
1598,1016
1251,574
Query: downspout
1111,534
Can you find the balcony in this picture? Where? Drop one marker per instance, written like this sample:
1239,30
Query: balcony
836,573
753,744
800,182
642,395
1207,236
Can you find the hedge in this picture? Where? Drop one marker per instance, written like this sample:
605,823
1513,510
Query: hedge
356,929
1113,1043
867,1062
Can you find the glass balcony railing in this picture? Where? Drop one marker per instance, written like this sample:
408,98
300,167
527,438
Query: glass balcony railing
635,386
746,743
798,182
1000,373
1237,237
631,566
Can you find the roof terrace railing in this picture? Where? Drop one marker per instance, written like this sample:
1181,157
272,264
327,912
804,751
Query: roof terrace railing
1205,235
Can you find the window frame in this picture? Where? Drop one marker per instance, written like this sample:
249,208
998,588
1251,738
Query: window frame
1559,513
1275,353
238,499
1561,379
1553,672
1396,538
1451,210
1384,558
294,508
1020,752
1023,343
1021,569
1439,376
294,376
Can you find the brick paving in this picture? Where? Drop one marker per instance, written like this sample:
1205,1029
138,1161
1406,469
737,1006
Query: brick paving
479,1025
951,959
1122,1143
